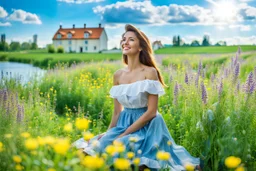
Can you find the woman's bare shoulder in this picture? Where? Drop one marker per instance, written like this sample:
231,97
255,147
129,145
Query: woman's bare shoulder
151,73
117,75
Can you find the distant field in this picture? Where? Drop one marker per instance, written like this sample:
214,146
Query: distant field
204,50
43,59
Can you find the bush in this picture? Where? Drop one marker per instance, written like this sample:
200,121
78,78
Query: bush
51,49
60,49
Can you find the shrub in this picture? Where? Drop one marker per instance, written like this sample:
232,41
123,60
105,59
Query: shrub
51,49
60,49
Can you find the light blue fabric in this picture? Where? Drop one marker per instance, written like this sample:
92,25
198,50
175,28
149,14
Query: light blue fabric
151,138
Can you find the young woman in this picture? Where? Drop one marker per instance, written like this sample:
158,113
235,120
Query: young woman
137,88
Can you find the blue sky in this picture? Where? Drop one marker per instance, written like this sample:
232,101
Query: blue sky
233,21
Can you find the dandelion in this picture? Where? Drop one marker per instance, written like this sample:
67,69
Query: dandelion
8,135
136,161
240,168
110,149
232,162
68,127
1,147
17,159
82,124
130,155
162,155
169,143
51,169
119,147
25,134
62,146
31,144
93,162
19,167
88,136
189,167
122,164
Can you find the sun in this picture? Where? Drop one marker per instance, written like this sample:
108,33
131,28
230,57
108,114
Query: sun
225,10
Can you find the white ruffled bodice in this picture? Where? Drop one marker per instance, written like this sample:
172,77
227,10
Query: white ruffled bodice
135,95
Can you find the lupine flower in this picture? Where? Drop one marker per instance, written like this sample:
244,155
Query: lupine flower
220,89
249,82
19,114
238,86
212,77
236,71
175,93
204,93
239,50
186,78
197,79
199,67
170,79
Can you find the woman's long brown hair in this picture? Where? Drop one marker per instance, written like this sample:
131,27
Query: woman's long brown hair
146,54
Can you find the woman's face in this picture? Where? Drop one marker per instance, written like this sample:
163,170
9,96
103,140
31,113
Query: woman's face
130,44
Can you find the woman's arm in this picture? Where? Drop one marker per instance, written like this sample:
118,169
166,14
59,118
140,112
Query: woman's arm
117,105
151,111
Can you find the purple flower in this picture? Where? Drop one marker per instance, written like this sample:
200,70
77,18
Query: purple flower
220,89
236,72
249,83
238,86
175,93
212,77
204,93
199,68
186,78
239,50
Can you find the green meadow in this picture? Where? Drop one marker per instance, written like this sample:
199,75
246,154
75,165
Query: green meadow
209,108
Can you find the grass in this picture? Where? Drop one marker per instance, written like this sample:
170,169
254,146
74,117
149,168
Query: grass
204,50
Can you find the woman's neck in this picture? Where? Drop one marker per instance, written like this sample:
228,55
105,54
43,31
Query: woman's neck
133,62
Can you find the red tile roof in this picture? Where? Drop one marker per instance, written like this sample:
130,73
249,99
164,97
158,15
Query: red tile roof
78,33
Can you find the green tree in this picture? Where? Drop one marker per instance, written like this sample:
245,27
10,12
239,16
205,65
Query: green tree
174,41
4,46
25,46
206,40
34,46
50,48
15,46
60,49
195,43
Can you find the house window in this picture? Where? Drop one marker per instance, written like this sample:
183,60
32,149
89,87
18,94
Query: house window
86,42
86,48
86,35
95,47
69,42
69,35
58,36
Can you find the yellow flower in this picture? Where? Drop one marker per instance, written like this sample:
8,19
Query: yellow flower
110,149
8,135
161,155
130,155
49,140
17,159
51,169
136,161
93,162
82,124
133,139
61,146
189,167
119,147
68,127
1,146
122,164
31,144
232,161
169,143
18,167
146,169
88,136
25,134
240,168
105,156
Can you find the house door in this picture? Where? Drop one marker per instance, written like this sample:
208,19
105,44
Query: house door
81,49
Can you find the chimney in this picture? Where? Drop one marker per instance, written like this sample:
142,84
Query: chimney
60,26
84,25
73,25
99,25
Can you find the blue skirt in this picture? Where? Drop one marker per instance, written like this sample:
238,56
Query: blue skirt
151,138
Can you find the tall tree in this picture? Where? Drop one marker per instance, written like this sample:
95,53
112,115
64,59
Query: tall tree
195,43
206,41
4,46
25,46
15,46
174,41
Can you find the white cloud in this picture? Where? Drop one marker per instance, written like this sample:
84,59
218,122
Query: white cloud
144,12
24,17
241,27
80,1
5,24
163,39
3,13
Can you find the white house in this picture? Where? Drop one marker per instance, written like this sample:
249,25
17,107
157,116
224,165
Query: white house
157,45
81,39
